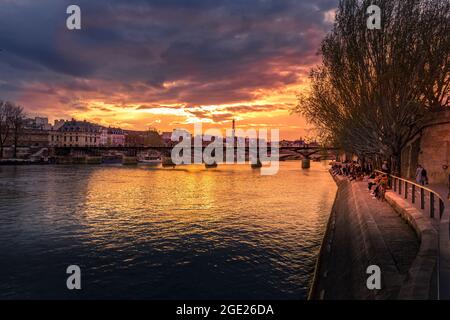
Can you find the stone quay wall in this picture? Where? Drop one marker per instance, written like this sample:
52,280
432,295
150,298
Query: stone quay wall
353,241
431,149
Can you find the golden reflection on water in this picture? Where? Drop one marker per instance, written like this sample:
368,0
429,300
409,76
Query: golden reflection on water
191,199
142,232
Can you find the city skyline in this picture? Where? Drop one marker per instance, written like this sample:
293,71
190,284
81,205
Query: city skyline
214,158
165,64
42,124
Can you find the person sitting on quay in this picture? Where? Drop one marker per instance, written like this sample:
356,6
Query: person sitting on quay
371,180
381,184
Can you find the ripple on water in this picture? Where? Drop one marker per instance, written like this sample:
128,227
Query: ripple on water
139,233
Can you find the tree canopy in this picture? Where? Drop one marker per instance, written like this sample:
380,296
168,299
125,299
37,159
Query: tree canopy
374,88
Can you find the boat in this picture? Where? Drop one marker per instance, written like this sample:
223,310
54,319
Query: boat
147,159
112,158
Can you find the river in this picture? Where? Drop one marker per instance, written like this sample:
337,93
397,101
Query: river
152,233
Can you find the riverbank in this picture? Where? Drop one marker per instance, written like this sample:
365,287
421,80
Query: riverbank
20,162
65,161
361,232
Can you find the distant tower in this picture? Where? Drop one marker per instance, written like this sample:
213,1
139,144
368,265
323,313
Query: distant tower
233,132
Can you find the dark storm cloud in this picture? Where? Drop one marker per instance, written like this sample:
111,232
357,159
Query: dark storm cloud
212,51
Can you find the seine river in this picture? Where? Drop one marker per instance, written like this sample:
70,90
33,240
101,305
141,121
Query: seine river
153,233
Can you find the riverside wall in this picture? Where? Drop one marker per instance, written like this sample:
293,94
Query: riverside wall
431,149
353,241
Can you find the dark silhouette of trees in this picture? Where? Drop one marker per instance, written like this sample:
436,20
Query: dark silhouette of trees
17,123
5,114
143,138
11,125
374,88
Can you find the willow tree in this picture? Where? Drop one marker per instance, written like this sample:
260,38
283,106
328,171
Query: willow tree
374,88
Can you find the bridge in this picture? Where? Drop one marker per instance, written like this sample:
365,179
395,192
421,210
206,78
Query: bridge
303,152
129,154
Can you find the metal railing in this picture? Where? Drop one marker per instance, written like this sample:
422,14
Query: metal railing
428,199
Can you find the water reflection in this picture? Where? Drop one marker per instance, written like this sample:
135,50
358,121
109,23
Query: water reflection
140,232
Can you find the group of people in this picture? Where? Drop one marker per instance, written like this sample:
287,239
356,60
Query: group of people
380,182
377,182
353,170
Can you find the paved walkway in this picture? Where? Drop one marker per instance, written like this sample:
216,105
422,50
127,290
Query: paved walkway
399,237
364,231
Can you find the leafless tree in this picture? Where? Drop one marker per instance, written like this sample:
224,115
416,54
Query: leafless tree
375,88
17,118
5,115
11,125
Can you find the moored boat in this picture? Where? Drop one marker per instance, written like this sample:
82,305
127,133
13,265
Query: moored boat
148,159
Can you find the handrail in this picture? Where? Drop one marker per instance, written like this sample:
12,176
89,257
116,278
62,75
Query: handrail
433,194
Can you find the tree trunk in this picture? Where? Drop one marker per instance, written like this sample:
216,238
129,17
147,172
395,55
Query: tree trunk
15,144
396,164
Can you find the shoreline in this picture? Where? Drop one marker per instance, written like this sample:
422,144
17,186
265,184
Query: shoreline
357,235
313,293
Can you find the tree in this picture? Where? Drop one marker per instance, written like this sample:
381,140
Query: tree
153,138
17,118
374,88
5,116
11,125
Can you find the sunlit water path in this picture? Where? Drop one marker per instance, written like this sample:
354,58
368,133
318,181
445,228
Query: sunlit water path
144,233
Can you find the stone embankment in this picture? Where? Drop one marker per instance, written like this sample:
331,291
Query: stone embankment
363,231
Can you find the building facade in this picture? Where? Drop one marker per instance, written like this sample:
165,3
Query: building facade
431,149
112,137
75,134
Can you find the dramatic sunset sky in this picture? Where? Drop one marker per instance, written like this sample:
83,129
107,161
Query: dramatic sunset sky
163,63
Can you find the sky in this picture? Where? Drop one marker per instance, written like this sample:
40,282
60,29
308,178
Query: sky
164,64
